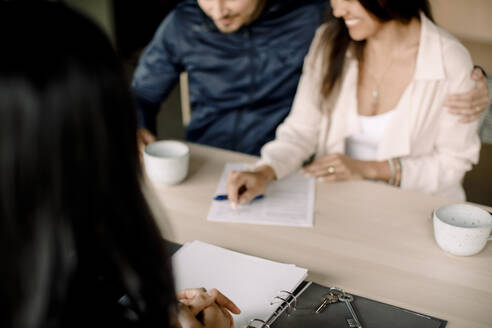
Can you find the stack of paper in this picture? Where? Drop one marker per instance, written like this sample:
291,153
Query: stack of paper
250,282
289,201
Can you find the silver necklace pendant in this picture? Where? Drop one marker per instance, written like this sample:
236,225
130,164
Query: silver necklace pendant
375,96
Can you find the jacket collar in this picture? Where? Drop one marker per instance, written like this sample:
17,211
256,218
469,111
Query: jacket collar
429,64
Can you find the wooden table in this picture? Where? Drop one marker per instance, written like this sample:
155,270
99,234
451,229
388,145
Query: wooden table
371,239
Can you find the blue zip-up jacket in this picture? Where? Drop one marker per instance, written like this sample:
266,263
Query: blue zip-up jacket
241,84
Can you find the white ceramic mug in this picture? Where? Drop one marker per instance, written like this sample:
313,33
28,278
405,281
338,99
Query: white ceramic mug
462,229
166,162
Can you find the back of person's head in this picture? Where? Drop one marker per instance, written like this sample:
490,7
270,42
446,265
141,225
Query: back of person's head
75,231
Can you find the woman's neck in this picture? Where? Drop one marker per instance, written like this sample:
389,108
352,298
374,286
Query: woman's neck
394,36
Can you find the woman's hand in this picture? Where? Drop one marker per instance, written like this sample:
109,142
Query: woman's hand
242,187
470,105
336,167
212,307
212,316
199,298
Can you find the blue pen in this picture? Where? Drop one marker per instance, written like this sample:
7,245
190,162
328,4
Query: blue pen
224,197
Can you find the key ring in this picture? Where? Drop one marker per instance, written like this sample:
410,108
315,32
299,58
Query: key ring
343,297
346,298
337,290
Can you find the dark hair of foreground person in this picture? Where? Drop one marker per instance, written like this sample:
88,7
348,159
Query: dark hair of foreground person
78,243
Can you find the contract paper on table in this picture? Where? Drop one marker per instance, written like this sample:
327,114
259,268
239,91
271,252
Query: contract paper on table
289,201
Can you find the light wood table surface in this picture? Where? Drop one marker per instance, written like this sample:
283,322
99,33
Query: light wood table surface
368,238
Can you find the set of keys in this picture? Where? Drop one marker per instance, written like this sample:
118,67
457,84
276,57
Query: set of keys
338,295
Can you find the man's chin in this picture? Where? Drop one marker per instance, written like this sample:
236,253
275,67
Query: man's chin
227,29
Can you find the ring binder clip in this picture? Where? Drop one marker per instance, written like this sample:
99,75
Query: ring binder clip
263,323
288,304
286,301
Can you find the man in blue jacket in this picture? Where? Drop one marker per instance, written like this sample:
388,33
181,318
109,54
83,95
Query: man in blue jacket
244,59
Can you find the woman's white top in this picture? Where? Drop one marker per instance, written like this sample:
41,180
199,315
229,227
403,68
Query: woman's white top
363,145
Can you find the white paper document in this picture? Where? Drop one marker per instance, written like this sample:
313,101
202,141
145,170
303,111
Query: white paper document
289,201
250,282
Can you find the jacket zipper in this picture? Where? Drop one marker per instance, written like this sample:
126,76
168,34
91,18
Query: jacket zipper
251,91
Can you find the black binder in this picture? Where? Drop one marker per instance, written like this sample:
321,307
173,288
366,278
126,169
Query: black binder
371,314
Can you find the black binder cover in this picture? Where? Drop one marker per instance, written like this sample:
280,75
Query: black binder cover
371,314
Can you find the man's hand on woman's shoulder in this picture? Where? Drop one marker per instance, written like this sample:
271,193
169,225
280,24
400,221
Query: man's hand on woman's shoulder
470,105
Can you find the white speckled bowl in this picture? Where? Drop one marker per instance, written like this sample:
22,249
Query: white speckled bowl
462,229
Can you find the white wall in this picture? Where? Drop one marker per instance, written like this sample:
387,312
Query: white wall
471,22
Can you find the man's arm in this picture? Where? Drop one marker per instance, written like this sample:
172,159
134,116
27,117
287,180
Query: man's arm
157,72
470,105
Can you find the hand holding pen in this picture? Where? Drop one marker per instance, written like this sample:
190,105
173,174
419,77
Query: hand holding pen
243,187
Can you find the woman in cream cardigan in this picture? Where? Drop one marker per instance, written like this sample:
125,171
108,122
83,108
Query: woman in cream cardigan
370,105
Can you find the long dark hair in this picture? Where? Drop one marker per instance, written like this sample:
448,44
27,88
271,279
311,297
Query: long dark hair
336,40
78,242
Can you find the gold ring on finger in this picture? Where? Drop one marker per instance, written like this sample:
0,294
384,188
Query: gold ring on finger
331,169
